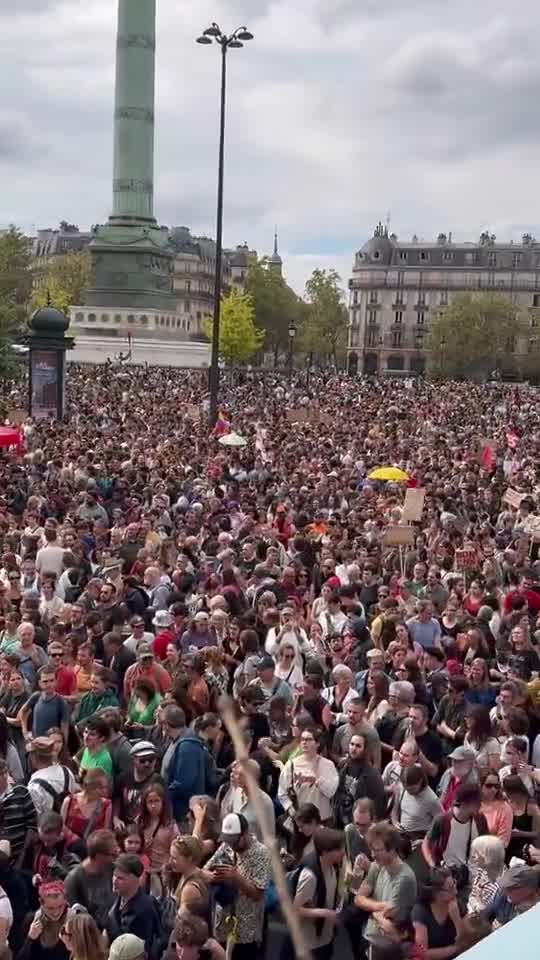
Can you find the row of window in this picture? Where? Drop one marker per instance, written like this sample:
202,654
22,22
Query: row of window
422,298
471,257
396,339
372,317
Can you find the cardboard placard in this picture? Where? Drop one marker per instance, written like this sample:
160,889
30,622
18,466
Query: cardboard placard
466,558
414,504
398,536
297,415
532,527
17,416
326,419
513,498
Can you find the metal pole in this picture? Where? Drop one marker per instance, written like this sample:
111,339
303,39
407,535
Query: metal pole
291,341
214,365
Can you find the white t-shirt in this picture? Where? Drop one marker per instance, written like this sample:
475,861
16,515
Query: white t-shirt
54,776
459,843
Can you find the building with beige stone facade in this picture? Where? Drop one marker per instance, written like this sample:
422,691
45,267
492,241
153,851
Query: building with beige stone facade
396,287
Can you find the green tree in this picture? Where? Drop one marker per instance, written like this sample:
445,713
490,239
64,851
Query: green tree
15,286
325,324
276,305
64,281
476,334
239,338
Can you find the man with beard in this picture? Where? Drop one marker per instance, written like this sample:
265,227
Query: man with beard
358,779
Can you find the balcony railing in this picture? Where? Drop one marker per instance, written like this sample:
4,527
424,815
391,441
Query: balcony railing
448,281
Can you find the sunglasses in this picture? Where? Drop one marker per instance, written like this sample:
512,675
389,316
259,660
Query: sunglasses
146,760
492,786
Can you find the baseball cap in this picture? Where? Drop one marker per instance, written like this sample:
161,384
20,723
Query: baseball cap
519,876
462,753
143,748
266,663
144,650
43,745
201,615
126,947
232,827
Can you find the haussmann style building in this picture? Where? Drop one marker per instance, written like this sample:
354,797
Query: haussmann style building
396,287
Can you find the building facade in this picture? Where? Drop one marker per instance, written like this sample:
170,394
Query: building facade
194,279
55,243
238,264
396,287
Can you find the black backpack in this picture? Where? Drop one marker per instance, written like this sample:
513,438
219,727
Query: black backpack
58,798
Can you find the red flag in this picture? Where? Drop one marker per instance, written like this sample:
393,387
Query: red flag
487,458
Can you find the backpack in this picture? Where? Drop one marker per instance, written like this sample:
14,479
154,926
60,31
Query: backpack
271,899
58,798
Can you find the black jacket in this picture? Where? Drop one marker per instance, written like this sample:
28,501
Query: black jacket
138,915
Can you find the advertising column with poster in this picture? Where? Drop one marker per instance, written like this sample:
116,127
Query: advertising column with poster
45,383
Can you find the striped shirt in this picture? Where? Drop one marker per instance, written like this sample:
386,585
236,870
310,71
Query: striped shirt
17,817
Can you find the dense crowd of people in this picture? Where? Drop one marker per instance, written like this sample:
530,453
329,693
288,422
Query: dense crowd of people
384,673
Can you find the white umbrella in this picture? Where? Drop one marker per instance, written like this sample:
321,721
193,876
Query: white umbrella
232,440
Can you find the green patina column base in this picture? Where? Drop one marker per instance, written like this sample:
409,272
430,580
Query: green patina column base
132,266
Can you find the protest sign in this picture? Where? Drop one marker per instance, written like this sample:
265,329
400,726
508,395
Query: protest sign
466,558
398,536
513,498
414,504
17,416
297,415
532,527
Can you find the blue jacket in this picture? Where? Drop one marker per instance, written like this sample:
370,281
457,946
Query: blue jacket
192,772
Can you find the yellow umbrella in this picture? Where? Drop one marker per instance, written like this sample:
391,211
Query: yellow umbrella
388,473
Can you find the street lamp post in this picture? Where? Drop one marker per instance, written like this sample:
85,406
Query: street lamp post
292,334
232,42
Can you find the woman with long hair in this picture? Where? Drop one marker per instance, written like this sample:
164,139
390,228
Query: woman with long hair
205,816
12,701
90,809
158,830
82,938
143,704
480,690
480,739
525,817
183,876
377,688
496,809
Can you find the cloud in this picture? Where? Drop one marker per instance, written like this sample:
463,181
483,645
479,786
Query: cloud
336,114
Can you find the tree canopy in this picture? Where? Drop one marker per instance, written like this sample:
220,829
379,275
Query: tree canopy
239,338
477,334
15,286
275,304
65,279
325,324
